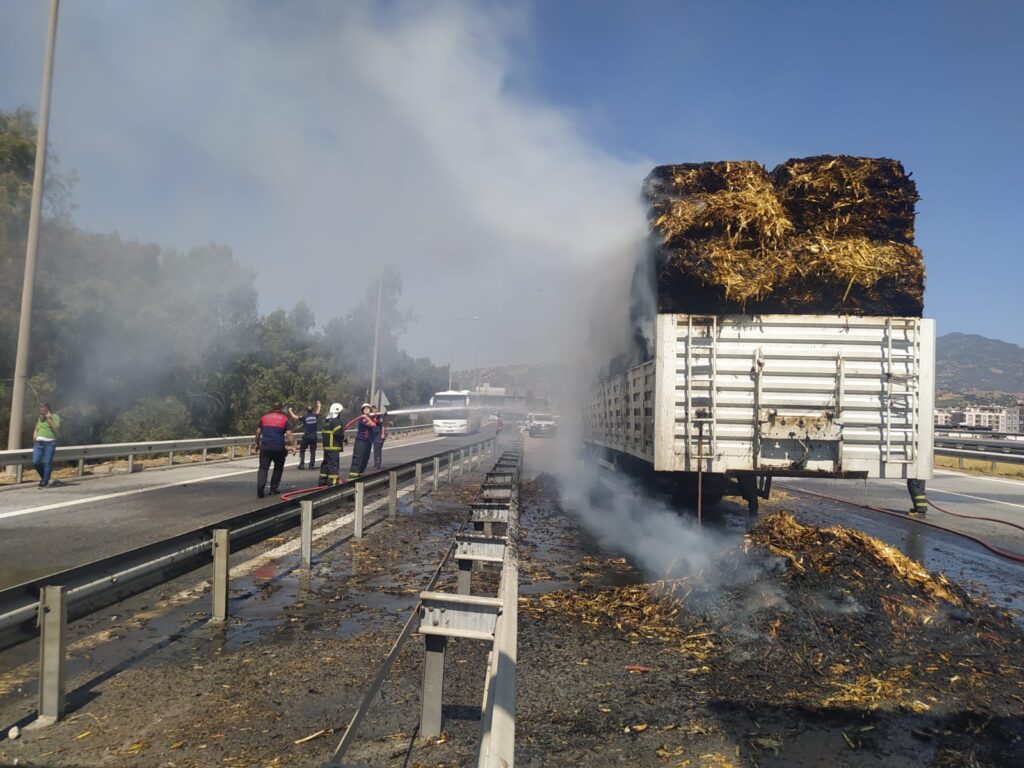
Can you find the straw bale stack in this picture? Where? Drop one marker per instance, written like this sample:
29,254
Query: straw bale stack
845,196
831,235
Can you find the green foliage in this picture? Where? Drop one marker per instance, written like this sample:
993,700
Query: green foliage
155,419
132,341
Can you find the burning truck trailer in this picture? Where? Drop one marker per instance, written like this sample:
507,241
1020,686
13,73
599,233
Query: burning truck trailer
788,337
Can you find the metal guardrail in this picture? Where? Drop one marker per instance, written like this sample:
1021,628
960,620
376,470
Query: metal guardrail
93,586
440,615
989,456
22,458
982,448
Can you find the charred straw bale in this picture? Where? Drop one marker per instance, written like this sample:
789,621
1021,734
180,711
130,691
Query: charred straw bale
827,235
734,200
842,196
808,275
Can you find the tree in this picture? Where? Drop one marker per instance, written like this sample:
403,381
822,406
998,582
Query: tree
154,419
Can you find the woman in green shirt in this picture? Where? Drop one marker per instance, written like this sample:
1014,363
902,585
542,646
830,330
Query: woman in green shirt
45,443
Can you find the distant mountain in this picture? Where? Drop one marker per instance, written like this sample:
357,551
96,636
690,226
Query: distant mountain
967,361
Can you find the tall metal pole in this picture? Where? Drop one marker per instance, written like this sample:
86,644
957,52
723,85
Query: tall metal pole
24,323
451,360
376,340
476,362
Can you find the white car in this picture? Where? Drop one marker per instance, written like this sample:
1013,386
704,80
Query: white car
541,425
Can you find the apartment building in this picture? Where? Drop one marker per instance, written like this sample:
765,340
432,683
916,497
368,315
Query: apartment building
997,418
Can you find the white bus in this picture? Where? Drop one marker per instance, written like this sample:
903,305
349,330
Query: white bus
457,418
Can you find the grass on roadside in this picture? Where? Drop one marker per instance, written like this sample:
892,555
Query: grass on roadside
982,467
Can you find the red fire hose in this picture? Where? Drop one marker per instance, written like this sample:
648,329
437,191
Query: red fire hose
292,494
1014,556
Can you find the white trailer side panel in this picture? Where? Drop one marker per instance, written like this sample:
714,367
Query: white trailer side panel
793,393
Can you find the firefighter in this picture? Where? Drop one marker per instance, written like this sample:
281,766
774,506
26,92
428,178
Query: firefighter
918,496
380,434
273,440
363,444
334,441
310,422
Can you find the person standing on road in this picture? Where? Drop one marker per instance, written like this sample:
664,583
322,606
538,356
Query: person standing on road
380,434
363,444
310,422
274,440
334,441
44,443
918,496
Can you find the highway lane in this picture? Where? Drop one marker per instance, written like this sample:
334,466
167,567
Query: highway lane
45,531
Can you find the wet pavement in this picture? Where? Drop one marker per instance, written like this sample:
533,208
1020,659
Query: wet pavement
155,683
82,520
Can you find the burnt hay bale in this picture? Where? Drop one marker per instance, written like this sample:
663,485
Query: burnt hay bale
845,196
734,200
828,234
813,275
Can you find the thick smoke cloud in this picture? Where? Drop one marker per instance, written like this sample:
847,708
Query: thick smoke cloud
321,140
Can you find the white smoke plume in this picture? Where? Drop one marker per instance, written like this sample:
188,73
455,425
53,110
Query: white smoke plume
324,139
320,140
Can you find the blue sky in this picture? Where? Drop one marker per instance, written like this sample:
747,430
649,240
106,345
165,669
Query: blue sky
938,85
493,151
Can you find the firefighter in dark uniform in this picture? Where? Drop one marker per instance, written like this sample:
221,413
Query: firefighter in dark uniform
363,445
273,441
310,422
918,497
380,434
334,441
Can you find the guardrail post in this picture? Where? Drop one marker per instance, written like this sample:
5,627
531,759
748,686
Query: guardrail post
357,531
465,577
81,467
53,628
392,493
19,474
221,551
437,471
433,685
306,514
960,462
419,481
462,462
451,465
231,452
205,453
170,458
131,463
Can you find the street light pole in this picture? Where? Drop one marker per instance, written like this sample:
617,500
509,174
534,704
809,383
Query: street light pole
28,285
451,360
476,361
376,340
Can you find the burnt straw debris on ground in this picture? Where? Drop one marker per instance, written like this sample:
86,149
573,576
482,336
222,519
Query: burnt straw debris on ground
801,646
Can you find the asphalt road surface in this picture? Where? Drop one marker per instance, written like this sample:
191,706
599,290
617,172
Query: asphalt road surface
75,522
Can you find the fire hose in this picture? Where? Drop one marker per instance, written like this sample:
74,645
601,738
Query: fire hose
1009,555
292,494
